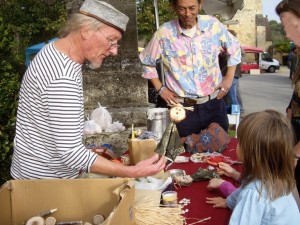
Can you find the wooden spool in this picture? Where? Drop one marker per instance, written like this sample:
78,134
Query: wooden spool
50,221
36,220
98,219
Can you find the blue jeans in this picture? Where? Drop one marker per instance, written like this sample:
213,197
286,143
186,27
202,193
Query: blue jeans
239,97
232,93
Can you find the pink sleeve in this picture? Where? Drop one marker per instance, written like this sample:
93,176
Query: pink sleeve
149,72
227,188
149,56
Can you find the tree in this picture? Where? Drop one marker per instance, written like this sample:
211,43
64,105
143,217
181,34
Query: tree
276,30
280,42
146,17
22,23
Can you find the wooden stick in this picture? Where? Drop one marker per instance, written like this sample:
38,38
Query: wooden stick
149,213
202,220
48,212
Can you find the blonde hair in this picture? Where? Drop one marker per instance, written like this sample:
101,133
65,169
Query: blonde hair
266,141
78,20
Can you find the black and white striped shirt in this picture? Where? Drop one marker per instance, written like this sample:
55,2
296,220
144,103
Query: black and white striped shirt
50,120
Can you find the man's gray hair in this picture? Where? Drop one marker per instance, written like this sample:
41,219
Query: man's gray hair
76,21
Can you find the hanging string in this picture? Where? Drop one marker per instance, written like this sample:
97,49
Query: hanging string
173,104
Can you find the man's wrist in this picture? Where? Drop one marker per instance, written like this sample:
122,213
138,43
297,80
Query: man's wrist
162,88
229,77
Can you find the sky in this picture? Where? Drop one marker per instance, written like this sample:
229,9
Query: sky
269,9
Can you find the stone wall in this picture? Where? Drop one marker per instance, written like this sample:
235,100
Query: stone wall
261,37
118,85
247,31
118,82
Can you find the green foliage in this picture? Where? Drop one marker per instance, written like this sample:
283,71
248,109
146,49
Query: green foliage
22,23
33,21
277,31
282,46
146,17
9,86
280,42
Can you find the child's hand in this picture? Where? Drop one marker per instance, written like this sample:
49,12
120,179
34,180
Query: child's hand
217,202
214,183
226,169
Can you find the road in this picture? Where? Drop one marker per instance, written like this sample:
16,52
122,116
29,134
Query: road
266,91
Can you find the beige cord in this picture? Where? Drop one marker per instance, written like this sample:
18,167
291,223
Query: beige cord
173,104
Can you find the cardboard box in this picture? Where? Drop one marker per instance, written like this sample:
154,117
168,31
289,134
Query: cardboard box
141,149
75,199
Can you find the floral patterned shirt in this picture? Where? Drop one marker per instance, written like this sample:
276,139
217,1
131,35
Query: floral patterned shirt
191,65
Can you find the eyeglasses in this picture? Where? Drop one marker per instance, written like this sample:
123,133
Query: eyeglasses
111,44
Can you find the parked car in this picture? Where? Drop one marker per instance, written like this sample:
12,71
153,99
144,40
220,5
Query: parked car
256,58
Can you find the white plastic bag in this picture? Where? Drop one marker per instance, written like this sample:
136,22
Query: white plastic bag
101,116
91,127
152,183
115,127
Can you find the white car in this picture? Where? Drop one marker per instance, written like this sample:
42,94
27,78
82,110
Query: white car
256,58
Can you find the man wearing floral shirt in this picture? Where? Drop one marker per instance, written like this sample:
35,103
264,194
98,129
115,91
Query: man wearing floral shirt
188,47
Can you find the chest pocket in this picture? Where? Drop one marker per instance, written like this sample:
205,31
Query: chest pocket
175,54
176,60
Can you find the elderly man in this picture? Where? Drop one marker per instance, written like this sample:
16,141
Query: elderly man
188,47
50,118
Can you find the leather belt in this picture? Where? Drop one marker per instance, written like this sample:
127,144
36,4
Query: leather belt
199,100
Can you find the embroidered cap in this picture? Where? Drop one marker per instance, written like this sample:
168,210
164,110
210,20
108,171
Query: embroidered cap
105,13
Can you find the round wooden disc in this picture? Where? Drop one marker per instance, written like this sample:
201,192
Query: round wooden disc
177,114
36,220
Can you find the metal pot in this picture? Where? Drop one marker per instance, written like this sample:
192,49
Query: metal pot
158,120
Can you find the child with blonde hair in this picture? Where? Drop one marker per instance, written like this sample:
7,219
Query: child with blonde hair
265,146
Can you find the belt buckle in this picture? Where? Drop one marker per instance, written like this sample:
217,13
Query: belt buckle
190,101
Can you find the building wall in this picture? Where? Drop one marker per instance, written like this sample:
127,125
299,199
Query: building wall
261,37
247,31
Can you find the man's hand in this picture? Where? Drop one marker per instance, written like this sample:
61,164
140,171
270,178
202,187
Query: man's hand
226,82
149,167
217,202
169,96
224,87
165,94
